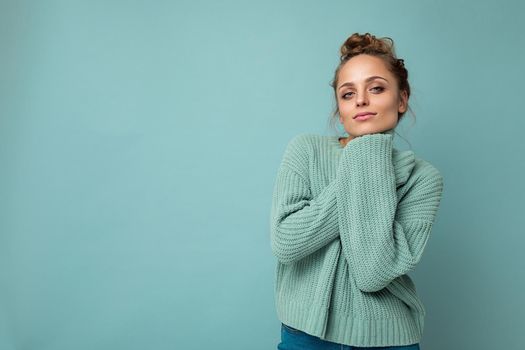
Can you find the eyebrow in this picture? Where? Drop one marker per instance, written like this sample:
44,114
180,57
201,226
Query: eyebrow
367,80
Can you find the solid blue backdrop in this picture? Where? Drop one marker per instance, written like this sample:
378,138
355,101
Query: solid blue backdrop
139,142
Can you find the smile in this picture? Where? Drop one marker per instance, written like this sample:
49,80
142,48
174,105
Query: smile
364,117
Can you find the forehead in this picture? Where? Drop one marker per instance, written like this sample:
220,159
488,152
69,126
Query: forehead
362,66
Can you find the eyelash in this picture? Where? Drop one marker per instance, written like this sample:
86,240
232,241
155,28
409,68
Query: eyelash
375,87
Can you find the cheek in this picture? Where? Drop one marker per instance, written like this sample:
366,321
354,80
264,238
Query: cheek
389,104
344,108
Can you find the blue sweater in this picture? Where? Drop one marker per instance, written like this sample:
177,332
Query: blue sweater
347,225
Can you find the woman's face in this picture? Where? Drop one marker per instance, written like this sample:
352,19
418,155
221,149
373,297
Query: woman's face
365,85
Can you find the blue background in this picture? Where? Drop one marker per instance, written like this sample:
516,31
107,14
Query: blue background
139,142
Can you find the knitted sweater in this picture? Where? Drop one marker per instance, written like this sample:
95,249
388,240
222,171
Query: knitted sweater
347,225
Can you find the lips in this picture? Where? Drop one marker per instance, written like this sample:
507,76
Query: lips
362,114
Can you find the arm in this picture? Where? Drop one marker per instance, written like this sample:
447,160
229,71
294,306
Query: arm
381,239
300,223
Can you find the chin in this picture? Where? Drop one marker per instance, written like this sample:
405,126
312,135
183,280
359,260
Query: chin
365,130
371,128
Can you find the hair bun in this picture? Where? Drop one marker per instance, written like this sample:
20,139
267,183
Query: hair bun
368,44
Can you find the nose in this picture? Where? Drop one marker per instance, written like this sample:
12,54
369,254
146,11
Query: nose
361,99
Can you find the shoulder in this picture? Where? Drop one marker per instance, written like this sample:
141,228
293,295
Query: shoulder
303,144
426,169
426,173
421,194
300,149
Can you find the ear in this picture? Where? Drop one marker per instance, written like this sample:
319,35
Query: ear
403,102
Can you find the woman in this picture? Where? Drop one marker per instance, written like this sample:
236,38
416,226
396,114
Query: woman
351,216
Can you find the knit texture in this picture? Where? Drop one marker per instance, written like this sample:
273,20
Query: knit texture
347,225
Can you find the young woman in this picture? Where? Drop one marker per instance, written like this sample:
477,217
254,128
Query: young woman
351,215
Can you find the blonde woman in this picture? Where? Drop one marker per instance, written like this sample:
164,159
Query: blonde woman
351,215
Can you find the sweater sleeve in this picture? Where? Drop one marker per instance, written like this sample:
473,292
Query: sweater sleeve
300,223
382,238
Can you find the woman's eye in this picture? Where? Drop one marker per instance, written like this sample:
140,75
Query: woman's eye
375,89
